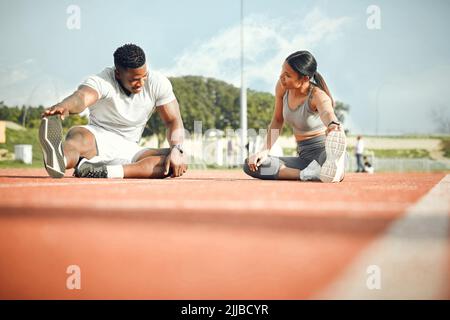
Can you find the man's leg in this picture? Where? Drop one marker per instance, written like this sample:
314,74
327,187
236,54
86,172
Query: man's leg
149,164
59,155
358,163
50,138
80,142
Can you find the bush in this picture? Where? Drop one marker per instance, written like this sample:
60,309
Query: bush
445,143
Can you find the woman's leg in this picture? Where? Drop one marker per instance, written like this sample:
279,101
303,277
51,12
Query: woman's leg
290,168
268,170
278,168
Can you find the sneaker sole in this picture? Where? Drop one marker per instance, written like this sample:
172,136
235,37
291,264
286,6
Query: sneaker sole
333,169
50,137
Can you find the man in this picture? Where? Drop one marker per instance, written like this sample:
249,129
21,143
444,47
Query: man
359,151
120,102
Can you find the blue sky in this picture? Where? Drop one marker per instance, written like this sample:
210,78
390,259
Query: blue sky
394,78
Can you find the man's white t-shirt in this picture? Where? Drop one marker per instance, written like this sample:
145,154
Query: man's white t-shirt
122,114
359,149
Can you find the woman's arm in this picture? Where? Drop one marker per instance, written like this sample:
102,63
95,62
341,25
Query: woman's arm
255,160
277,119
322,102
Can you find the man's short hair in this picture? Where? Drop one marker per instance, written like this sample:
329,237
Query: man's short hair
129,56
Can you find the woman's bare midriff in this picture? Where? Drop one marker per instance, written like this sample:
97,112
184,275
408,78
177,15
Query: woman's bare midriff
309,135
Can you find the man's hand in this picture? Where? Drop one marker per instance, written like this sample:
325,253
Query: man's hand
56,109
176,161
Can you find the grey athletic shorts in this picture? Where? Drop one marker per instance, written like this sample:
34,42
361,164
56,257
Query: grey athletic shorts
308,150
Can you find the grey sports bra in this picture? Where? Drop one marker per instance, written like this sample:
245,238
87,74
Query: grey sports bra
302,119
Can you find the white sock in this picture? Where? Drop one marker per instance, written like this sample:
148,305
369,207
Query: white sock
115,171
302,175
65,162
311,172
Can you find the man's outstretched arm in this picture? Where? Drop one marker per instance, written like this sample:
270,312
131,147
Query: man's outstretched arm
76,103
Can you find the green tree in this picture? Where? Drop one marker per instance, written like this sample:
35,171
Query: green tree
213,102
341,109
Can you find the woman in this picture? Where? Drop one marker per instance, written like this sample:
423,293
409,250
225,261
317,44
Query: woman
302,99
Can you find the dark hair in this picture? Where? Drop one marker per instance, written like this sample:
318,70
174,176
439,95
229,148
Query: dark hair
129,56
304,63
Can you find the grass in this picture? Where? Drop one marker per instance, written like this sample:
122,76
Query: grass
396,153
402,153
29,136
404,136
445,143
19,164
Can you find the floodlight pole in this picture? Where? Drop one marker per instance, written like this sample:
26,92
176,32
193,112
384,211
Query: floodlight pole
243,99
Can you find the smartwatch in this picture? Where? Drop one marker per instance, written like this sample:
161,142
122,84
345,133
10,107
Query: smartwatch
179,147
333,122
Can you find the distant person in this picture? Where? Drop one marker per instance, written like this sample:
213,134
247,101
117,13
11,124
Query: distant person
359,151
230,153
368,166
302,99
120,100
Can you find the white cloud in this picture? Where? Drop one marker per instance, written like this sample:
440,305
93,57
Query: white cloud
12,74
267,42
25,83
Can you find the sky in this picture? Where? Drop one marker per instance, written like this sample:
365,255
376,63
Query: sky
390,63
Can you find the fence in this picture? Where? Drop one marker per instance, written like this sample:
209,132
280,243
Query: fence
216,151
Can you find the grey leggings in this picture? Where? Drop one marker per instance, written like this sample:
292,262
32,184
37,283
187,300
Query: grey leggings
308,150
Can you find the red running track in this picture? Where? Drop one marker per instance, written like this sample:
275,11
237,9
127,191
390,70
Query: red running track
207,235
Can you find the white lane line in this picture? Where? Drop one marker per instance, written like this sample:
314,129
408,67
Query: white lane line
70,183
352,209
412,256
75,182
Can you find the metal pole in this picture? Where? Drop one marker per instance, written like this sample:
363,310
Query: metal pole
243,101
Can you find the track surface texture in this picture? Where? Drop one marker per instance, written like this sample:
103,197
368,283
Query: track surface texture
223,235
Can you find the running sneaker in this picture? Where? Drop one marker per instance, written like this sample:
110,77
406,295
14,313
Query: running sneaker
88,169
333,170
311,172
51,137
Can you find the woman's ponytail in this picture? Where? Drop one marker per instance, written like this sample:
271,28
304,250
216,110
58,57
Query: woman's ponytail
320,82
